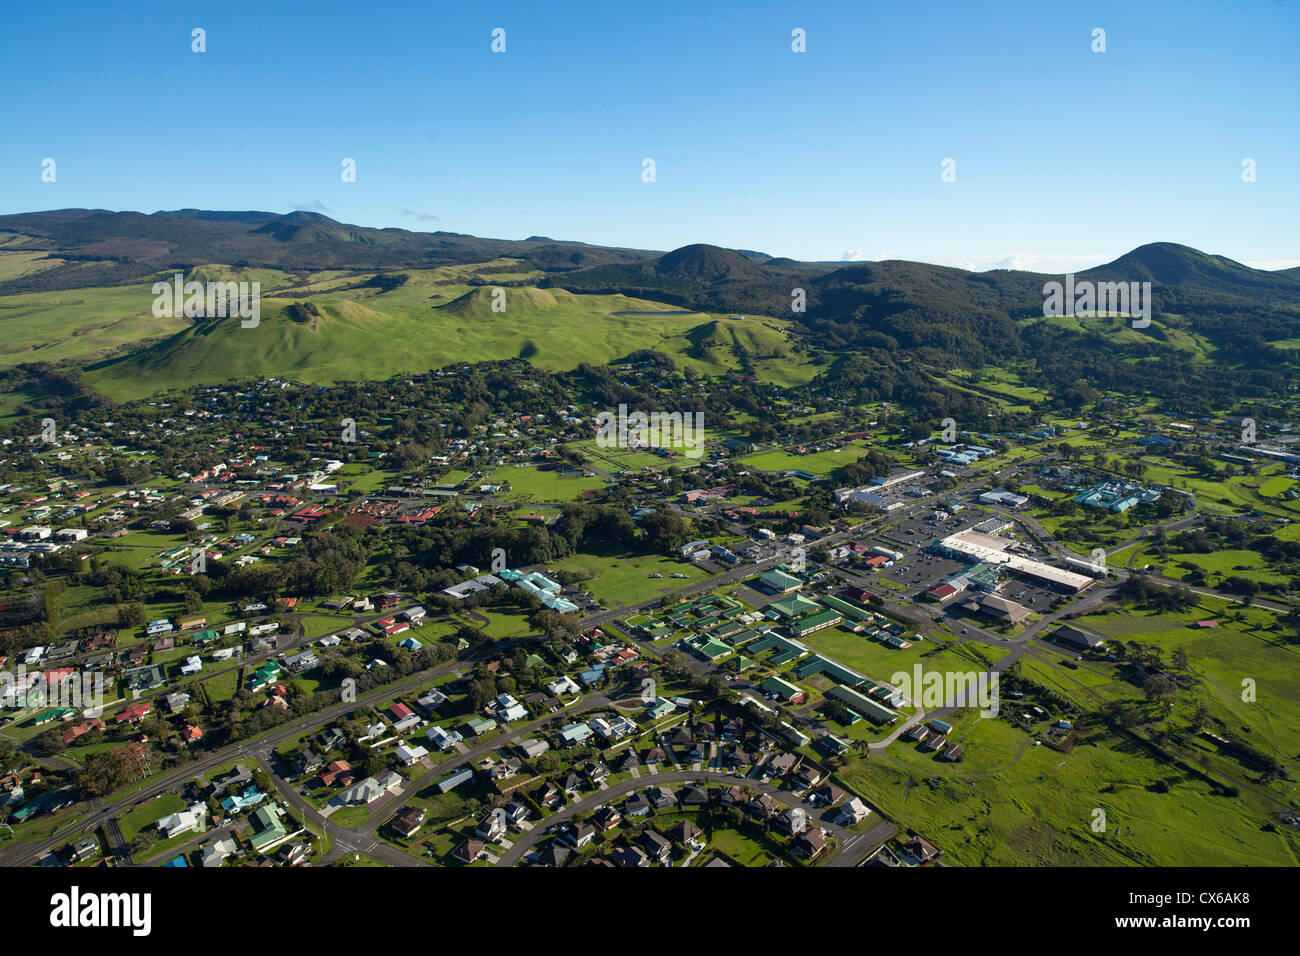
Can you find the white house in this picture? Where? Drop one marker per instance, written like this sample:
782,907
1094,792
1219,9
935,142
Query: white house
562,685
409,755
186,821
442,739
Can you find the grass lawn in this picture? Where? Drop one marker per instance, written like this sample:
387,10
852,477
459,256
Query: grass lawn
531,484
618,579
148,814
1037,809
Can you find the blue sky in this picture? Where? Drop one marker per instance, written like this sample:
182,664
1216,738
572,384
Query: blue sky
1064,157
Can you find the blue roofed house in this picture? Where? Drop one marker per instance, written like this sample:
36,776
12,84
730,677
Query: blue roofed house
238,803
574,734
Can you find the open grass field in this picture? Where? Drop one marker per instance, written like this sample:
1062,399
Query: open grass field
817,463
1216,564
530,484
80,324
872,658
1037,808
1246,645
621,579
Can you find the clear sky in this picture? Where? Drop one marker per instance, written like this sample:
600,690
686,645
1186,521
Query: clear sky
1063,157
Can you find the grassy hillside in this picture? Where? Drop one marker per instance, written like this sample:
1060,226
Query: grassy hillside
429,321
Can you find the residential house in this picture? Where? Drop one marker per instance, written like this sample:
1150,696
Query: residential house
683,832
607,818
548,796
656,845
408,822
444,739
217,852
853,811
826,795
918,850
337,773
792,821
407,755
629,857
578,835
636,805
805,778
660,797
810,844
553,854
763,808
692,796
470,851
186,821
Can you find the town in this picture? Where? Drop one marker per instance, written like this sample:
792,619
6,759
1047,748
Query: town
465,628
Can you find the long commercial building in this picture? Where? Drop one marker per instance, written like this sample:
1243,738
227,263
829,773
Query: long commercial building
993,549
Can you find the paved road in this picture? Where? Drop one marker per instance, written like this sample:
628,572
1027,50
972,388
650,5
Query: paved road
23,854
360,838
850,844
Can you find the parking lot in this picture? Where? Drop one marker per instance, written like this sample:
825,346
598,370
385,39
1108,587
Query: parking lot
920,570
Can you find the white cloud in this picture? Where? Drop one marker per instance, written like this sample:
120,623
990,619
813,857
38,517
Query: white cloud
1049,263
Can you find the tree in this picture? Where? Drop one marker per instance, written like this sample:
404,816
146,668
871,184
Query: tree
1160,690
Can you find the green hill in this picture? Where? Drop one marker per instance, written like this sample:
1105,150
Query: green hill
361,333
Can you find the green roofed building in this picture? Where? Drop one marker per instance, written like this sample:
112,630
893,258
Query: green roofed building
481,725
659,707
778,582
794,606
740,663
53,713
863,704
263,676
783,689
726,629
832,745
270,830
204,637
712,649
824,665
814,622
847,609
785,649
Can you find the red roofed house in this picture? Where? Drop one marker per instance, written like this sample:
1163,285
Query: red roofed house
852,593
134,713
77,731
941,591
338,773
